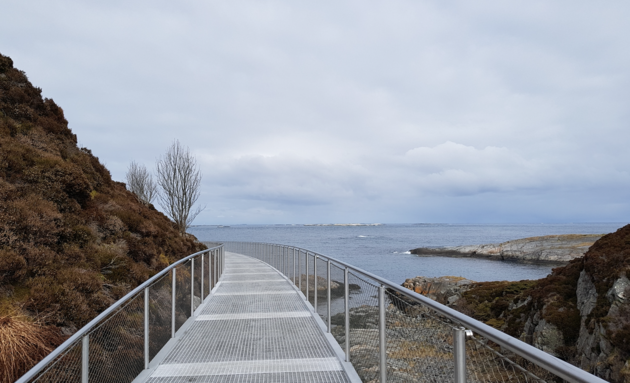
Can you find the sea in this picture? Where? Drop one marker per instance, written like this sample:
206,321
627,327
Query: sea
383,249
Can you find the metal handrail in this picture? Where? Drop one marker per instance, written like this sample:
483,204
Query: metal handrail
549,362
85,330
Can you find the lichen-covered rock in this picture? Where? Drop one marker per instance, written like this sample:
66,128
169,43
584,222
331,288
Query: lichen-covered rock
547,337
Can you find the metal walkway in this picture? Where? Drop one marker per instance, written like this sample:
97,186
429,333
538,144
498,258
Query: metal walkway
254,327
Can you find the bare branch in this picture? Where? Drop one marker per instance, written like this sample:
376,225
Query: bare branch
140,182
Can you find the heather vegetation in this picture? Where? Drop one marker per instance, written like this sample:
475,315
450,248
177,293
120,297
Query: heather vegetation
72,240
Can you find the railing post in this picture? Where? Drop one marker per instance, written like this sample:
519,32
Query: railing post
299,270
146,328
459,352
173,302
216,267
192,287
293,265
382,333
315,283
85,358
347,312
202,265
328,294
307,276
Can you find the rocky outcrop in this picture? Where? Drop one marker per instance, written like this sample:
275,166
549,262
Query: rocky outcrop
545,249
579,313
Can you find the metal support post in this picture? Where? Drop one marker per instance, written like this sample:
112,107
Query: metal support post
294,265
459,352
85,358
315,283
216,267
192,287
307,276
146,328
381,333
328,294
299,270
202,286
173,301
347,312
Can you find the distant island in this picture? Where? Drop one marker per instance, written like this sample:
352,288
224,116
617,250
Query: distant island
343,224
545,249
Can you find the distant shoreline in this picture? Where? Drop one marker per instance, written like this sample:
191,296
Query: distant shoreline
552,249
343,224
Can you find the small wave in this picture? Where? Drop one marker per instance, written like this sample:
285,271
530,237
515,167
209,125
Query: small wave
406,252
362,236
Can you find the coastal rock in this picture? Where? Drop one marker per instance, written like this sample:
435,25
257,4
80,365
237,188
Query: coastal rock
546,249
336,287
446,290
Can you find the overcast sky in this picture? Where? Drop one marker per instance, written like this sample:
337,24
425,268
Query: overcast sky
350,111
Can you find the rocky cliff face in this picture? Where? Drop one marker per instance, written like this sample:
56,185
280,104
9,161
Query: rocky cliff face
72,241
579,313
549,248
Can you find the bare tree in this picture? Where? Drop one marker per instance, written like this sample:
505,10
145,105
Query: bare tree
179,178
140,182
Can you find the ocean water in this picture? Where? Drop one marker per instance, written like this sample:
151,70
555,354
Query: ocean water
384,249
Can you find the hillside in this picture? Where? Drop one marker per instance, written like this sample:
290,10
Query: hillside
579,313
72,241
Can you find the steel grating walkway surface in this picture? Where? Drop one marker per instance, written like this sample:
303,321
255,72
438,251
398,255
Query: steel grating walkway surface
255,327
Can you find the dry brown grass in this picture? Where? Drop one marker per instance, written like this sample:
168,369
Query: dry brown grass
23,343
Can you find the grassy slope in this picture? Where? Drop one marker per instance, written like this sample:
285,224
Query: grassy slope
72,241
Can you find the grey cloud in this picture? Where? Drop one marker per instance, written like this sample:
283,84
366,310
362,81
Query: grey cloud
399,110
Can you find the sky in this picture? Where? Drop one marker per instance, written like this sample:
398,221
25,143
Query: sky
350,111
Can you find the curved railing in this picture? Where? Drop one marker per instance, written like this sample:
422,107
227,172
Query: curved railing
391,333
118,344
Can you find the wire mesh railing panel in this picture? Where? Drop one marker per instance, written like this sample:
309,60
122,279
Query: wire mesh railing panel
487,362
66,368
160,303
310,261
197,283
364,333
419,342
182,295
338,314
117,345
301,282
322,289
213,268
206,275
